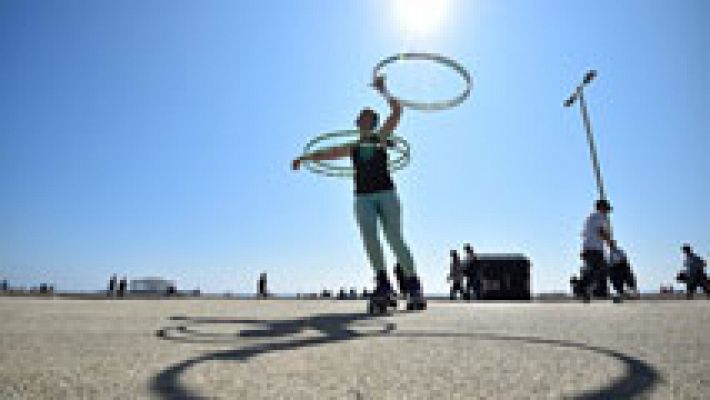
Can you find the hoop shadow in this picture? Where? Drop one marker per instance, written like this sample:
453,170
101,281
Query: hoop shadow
639,377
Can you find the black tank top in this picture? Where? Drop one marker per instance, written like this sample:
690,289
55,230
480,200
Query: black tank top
370,165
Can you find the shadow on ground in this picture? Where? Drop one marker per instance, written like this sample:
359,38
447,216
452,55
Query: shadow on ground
639,376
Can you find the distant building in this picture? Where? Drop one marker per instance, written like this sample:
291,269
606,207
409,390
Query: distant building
151,285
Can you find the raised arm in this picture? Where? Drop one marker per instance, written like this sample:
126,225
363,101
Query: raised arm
396,108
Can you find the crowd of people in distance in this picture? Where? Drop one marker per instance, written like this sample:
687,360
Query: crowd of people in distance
43,288
604,260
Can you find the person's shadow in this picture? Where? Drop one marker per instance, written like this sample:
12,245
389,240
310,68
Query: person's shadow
639,377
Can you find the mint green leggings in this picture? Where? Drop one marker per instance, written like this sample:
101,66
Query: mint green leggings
385,207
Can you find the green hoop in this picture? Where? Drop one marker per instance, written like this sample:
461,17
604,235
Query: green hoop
328,168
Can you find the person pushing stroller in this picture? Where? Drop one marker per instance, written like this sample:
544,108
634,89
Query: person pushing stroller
596,232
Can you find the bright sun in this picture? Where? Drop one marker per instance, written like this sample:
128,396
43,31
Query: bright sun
420,16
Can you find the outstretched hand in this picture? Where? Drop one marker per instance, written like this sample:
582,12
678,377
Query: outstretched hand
296,164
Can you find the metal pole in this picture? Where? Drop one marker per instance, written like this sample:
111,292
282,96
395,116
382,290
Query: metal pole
592,147
579,94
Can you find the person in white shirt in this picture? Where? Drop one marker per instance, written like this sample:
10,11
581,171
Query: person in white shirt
620,272
694,268
596,232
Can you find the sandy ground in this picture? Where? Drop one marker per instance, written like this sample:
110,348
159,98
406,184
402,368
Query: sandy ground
275,349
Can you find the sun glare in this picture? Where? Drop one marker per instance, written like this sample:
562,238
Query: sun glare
420,16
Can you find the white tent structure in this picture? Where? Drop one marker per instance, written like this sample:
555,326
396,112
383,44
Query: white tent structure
151,285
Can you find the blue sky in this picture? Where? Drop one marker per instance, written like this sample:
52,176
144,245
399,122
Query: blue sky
154,138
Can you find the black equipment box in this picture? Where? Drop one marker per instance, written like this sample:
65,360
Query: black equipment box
504,276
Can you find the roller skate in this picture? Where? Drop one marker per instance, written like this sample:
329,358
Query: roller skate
415,297
383,295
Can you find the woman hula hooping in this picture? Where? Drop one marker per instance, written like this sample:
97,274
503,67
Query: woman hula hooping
376,197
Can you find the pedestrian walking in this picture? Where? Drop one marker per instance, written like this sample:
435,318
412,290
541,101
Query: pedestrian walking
694,268
596,232
455,276
472,273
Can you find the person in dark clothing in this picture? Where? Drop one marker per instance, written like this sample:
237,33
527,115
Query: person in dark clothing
112,285
122,286
472,272
376,199
596,232
620,272
261,290
695,276
455,276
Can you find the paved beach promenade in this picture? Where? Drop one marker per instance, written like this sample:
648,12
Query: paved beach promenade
246,349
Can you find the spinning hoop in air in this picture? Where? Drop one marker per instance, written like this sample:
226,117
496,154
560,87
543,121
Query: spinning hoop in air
330,168
438,58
